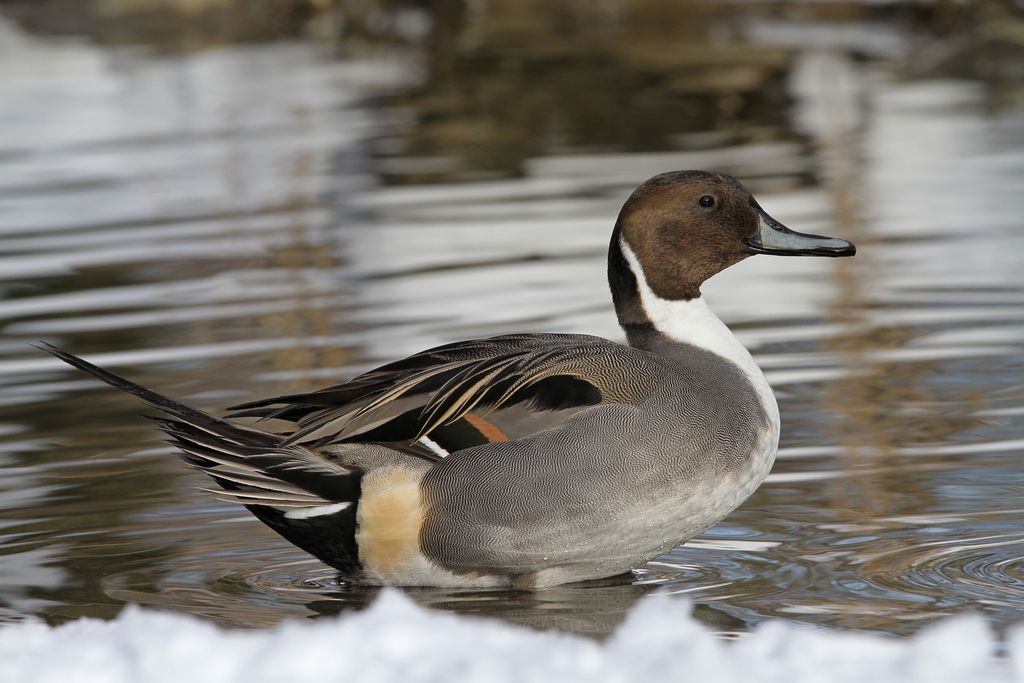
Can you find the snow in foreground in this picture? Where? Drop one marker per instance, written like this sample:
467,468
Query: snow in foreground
396,640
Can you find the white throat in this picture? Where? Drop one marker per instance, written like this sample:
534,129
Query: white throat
690,321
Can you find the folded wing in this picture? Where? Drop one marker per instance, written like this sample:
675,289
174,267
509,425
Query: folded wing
455,396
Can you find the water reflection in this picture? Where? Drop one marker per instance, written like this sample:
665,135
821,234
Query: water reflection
525,78
232,223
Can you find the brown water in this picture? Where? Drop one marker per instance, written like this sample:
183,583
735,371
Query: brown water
240,222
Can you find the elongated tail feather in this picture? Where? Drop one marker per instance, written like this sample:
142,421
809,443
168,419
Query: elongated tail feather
185,413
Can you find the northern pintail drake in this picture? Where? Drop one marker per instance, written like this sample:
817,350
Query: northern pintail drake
526,460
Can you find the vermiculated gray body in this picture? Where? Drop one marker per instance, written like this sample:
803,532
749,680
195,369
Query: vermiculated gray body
638,476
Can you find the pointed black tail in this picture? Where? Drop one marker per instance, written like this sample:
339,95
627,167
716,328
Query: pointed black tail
185,413
309,500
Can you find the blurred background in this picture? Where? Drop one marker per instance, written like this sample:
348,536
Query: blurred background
227,199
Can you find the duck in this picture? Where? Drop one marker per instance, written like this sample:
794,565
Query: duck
525,460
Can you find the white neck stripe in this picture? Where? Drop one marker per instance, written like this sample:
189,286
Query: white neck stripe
690,321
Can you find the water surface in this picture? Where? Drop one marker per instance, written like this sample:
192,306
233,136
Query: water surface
247,221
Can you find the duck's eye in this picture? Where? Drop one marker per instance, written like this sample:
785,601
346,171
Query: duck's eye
707,201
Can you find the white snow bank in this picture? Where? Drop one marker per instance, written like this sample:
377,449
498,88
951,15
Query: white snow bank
396,640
